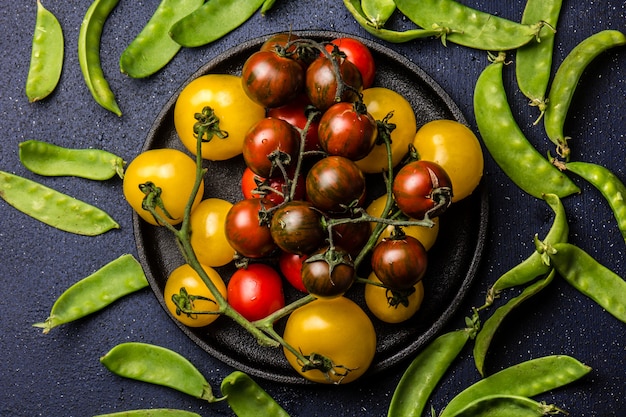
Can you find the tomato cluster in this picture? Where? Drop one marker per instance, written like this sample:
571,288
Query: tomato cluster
313,132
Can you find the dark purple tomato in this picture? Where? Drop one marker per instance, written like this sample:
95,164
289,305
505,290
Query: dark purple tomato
296,227
333,183
347,129
321,82
399,263
328,273
245,230
270,137
352,236
295,113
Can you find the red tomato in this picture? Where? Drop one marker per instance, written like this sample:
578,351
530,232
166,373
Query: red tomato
245,231
295,113
256,291
360,55
348,130
255,186
290,265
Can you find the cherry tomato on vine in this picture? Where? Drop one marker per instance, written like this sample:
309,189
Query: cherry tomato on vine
235,112
351,236
187,287
360,55
399,262
328,273
290,265
246,232
271,189
457,149
333,183
295,113
171,170
208,236
381,102
421,188
297,227
348,130
339,330
389,308
270,136
280,40
256,291
321,82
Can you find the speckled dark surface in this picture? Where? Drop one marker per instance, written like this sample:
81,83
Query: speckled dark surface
59,374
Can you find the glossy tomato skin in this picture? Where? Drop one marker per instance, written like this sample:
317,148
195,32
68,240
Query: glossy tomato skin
255,186
235,110
385,307
352,236
186,277
269,136
171,170
297,227
399,263
333,183
280,40
422,187
320,280
339,330
360,55
290,265
348,130
256,291
321,82
272,79
208,234
245,231
294,112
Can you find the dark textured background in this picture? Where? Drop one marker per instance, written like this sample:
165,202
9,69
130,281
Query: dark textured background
59,374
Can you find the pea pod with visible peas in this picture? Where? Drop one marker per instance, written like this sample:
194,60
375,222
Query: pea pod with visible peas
113,281
472,28
247,399
153,48
526,379
160,366
46,59
51,160
212,20
506,143
152,412
89,36
588,276
53,207
566,80
508,406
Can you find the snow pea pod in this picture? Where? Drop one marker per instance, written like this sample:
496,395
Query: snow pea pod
609,185
153,48
51,160
378,11
472,28
533,64
533,266
158,365
247,399
46,59
507,406
113,281
354,7
53,207
152,412
425,371
566,80
588,276
89,36
526,379
506,143
491,325
212,20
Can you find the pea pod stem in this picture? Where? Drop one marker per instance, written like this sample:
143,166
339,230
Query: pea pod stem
378,11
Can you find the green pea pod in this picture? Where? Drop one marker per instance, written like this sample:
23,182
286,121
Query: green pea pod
566,79
425,371
533,66
212,20
152,412
378,11
508,406
492,324
46,59
51,160
506,143
160,366
89,36
589,277
354,7
247,399
470,27
267,5
610,186
53,207
533,266
526,379
113,281
153,48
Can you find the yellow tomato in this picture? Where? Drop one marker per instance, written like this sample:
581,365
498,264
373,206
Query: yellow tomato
236,112
377,301
457,149
199,297
208,236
